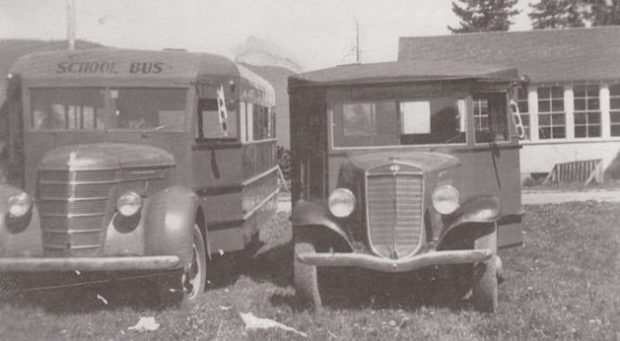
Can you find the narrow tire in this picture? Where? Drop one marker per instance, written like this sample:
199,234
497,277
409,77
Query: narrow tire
186,284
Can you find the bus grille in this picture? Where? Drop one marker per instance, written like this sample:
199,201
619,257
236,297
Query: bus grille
395,218
72,206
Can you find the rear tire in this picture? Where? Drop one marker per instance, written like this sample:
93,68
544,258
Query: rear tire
484,290
306,278
187,284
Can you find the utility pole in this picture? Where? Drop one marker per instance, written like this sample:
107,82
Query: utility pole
357,41
71,24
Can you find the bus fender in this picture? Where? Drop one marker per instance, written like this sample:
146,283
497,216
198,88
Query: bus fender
18,236
316,214
169,218
478,215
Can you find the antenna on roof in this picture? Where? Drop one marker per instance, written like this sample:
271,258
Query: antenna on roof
71,24
357,41
356,48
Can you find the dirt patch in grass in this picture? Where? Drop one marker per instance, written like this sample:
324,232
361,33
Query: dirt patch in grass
562,284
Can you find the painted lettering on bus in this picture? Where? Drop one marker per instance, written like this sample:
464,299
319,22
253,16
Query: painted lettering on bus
87,67
91,67
145,68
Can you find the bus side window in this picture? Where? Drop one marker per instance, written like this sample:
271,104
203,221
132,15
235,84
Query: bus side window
262,124
209,120
490,119
250,122
242,122
272,123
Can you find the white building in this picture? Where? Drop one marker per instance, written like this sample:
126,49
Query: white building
571,109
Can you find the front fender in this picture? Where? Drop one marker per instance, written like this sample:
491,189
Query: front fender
479,209
169,223
478,216
316,214
18,237
165,226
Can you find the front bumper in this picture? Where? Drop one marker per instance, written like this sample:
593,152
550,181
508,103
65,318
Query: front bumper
395,265
39,264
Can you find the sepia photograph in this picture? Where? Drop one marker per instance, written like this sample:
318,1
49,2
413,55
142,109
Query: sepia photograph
310,170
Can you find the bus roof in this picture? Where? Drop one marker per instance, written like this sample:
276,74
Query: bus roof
129,66
402,71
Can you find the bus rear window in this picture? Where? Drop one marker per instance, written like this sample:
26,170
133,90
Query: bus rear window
68,108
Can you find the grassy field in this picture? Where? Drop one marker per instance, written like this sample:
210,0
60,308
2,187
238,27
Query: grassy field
564,284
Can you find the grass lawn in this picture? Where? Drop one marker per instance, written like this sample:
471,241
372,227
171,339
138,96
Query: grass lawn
564,284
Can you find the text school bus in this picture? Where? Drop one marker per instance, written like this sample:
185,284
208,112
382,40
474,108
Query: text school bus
124,161
399,167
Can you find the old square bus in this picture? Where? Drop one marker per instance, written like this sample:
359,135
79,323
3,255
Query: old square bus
404,167
125,162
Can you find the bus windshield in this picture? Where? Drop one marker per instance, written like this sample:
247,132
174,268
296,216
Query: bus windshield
68,108
127,109
406,122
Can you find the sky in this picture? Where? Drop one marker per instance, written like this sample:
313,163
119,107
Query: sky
315,33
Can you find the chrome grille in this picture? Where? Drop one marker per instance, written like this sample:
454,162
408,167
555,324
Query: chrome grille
72,206
395,217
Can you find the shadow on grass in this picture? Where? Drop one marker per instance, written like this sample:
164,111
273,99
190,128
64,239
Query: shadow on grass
67,294
274,265
360,290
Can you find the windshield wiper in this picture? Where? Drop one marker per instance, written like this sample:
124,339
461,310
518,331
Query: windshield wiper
150,130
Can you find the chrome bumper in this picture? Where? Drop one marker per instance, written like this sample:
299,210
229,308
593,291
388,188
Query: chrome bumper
35,264
395,265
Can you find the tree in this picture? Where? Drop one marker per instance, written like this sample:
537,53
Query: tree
557,14
604,12
484,15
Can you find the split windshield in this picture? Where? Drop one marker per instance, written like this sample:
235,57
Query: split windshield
138,109
439,120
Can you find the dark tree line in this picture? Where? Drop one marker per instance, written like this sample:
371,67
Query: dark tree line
496,15
483,15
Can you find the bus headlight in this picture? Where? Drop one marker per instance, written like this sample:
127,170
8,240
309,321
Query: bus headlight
19,204
341,202
446,199
128,204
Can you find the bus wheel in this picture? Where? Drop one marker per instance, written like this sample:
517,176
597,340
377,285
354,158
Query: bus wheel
189,283
306,276
484,290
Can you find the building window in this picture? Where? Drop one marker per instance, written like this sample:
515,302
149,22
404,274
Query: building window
551,116
614,109
524,111
587,111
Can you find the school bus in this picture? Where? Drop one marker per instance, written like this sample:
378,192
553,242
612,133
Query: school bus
402,167
125,161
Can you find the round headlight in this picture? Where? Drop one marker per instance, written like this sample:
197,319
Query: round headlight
19,204
446,199
341,202
129,204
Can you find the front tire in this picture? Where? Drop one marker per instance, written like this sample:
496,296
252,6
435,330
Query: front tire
484,291
306,278
189,283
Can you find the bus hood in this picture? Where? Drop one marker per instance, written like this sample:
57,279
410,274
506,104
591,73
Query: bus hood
427,162
105,156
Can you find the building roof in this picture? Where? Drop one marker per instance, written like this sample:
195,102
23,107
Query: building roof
402,71
545,56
